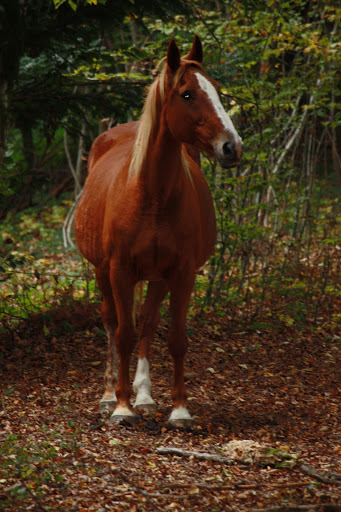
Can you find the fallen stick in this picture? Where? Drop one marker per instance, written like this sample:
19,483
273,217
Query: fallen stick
171,450
137,489
236,487
326,507
326,478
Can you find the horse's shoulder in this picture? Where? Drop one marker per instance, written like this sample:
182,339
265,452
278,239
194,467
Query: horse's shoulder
110,138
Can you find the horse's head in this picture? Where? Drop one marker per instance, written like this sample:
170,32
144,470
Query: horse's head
195,114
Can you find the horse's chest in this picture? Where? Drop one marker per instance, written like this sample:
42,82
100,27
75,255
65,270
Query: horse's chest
160,246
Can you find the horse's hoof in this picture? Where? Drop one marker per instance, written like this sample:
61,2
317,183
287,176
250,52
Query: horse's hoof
180,418
147,408
122,419
106,408
183,423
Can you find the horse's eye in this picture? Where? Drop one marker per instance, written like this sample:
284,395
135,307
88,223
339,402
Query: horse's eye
186,95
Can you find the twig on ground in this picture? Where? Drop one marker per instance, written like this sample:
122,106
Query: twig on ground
326,507
137,489
236,487
325,478
170,450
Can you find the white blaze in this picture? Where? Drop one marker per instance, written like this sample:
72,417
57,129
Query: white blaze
213,96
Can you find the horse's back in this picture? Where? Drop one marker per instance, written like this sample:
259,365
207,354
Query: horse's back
109,139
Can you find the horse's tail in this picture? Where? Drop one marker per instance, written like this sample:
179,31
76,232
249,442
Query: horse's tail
138,299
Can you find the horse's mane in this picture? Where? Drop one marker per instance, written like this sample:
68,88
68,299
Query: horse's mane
149,117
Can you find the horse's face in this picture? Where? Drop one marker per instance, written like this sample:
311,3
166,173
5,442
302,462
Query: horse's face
195,114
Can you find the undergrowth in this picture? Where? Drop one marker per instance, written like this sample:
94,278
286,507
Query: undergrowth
260,282
37,272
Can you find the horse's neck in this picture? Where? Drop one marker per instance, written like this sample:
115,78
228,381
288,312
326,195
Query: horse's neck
162,169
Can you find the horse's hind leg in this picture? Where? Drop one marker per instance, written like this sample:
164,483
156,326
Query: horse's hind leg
148,322
181,289
123,290
109,318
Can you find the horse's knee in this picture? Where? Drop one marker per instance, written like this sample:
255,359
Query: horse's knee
148,323
109,318
125,339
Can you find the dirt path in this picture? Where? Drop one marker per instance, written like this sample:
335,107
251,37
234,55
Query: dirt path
278,388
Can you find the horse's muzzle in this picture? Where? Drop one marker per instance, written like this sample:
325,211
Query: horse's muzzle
229,151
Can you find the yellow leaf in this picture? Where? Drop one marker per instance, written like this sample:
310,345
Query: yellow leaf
193,489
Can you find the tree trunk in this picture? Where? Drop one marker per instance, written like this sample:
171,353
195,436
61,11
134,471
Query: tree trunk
27,137
3,112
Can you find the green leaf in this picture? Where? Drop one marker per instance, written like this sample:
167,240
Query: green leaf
73,5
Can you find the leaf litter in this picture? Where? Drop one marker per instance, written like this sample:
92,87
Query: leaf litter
279,390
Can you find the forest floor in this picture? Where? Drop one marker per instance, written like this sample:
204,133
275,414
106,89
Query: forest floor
281,389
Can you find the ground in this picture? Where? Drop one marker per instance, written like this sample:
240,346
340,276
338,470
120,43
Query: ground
57,453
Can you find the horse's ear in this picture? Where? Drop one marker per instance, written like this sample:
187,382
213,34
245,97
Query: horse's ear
173,56
196,52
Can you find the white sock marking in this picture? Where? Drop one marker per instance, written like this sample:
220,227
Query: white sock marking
211,92
108,397
122,410
142,384
180,413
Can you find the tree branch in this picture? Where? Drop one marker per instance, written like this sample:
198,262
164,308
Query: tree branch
199,455
137,489
325,478
236,486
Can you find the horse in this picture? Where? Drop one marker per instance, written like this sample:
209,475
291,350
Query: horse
146,214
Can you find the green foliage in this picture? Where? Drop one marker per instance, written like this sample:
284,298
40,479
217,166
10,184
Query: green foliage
282,272
52,64
35,272
9,166
278,213
28,470
75,4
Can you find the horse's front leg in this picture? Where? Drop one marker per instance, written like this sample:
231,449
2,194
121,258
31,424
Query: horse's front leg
148,322
181,289
123,291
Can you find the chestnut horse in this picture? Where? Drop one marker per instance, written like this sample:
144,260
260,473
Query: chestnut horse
146,214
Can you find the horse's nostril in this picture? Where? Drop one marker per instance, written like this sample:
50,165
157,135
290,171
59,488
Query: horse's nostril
228,148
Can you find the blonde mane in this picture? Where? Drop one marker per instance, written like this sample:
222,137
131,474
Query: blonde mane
148,119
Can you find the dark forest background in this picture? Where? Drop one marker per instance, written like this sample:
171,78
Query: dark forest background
71,69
